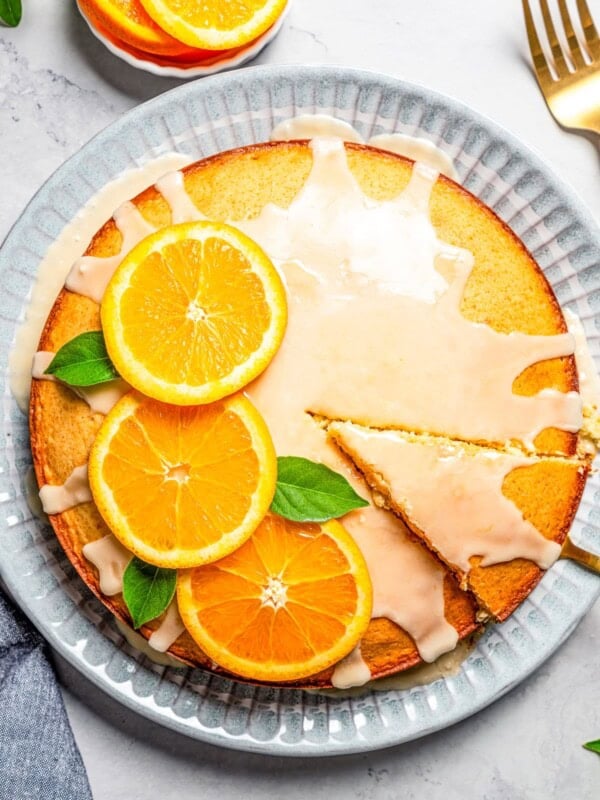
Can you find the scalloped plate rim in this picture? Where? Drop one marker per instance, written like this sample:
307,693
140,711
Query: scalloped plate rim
18,590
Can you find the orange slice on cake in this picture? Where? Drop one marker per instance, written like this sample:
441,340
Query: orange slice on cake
181,486
213,24
194,313
128,22
293,600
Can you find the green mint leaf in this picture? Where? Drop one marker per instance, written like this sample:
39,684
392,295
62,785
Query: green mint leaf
10,12
593,746
147,590
311,492
83,361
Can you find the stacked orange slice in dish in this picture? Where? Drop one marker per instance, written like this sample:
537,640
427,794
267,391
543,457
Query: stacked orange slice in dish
181,33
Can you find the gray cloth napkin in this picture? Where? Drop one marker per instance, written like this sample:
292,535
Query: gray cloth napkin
39,759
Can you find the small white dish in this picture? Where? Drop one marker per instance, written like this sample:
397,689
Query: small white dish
209,67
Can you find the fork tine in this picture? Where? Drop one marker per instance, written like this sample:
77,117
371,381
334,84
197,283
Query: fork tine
559,60
539,59
589,29
574,48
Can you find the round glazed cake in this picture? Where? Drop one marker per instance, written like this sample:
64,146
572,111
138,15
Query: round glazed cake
426,358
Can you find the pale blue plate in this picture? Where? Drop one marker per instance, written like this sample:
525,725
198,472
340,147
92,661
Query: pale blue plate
199,119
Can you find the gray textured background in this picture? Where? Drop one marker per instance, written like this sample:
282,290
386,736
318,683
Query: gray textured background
58,87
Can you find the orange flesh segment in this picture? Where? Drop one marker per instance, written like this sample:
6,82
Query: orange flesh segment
223,16
294,599
187,58
199,338
193,313
182,485
213,24
128,21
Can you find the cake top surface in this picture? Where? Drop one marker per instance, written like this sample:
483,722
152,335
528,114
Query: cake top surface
382,308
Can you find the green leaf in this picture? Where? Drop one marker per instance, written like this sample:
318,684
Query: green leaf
10,12
83,361
311,492
593,746
147,590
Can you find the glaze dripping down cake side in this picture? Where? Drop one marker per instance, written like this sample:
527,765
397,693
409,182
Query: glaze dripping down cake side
403,290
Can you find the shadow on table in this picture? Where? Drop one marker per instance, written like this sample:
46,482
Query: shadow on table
134,83
140,85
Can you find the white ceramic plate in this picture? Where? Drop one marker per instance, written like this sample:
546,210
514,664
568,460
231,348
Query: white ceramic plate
172,71
199,119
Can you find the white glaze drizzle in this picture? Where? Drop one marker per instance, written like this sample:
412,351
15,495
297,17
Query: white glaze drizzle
313,126
32,494
397,301
349,247
351,671
100,398
172,188
74,491
445,666
589,382
41,361
90,275
309,126
460,506
418,149
69,245
137,641
401,571
169,630
110,559
103,397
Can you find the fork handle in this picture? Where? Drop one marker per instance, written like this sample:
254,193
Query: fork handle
581,556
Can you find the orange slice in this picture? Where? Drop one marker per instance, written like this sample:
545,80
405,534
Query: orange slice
293,600
213,24
182,486
128,21
193,313
190,59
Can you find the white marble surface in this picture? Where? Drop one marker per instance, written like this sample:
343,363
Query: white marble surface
58,86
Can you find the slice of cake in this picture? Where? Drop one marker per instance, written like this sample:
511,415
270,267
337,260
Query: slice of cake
497,519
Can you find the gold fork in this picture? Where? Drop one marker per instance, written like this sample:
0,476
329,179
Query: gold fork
583,557
570,81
